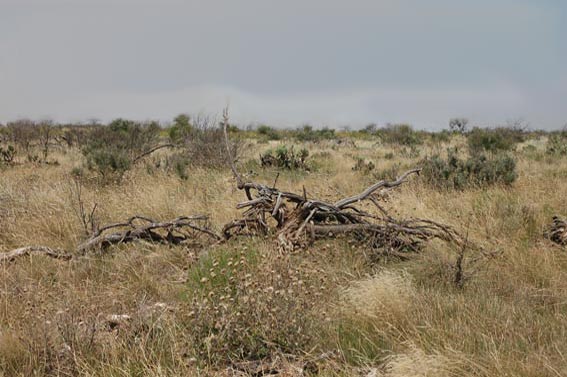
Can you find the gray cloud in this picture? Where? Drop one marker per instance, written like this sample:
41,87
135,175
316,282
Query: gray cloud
288,62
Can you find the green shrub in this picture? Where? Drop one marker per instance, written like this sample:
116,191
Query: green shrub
268,132
307,133
443,136
181,128
363,166
286,158
178,164
400,134
476,171
7,155
493,140
203,143
111,150
557,144
389,174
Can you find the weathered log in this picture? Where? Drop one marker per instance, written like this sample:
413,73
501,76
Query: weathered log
34,250
170,232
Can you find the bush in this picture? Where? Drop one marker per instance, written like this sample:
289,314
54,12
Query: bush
23,133
249,307
178,164
181,128
476,171
268,132
557,144
307,133
204,145
389,174
363,166
400,134
458,125
112,150
286,158
7,155
493,140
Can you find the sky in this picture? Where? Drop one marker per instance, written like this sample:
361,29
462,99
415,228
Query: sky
286,63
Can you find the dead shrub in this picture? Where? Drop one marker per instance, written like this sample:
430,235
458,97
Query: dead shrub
248,307
202,143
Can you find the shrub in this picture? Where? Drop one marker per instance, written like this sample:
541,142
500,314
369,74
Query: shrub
178,163
388,174
369,129
443,136
204,145
363,166
493,140
557,144
8,154
249,307
458,125
76,135
401,134
112,150
181,128
285,157
476,171
268,132
307,133
23,133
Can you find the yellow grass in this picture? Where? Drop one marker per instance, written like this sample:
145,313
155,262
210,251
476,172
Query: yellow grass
394,318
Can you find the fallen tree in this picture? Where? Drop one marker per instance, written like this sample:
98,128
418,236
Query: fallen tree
181,230
299,219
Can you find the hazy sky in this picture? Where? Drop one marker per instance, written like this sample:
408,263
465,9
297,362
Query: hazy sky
286,62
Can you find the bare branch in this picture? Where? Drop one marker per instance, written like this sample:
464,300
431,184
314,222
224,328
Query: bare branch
382,184
239,181
150,151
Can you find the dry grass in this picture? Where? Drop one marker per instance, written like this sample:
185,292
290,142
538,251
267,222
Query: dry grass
191,313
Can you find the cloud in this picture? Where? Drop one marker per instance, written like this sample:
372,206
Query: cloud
425,108
289,62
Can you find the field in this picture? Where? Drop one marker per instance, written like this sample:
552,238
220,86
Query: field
245,306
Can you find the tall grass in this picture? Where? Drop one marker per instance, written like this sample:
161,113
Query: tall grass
392,318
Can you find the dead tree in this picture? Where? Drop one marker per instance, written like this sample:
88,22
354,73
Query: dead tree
299,219
182,230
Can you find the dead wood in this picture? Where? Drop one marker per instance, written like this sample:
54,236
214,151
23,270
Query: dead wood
557,232
33,250
177,231
297,219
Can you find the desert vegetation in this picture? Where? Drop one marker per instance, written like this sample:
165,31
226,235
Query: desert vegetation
203,248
